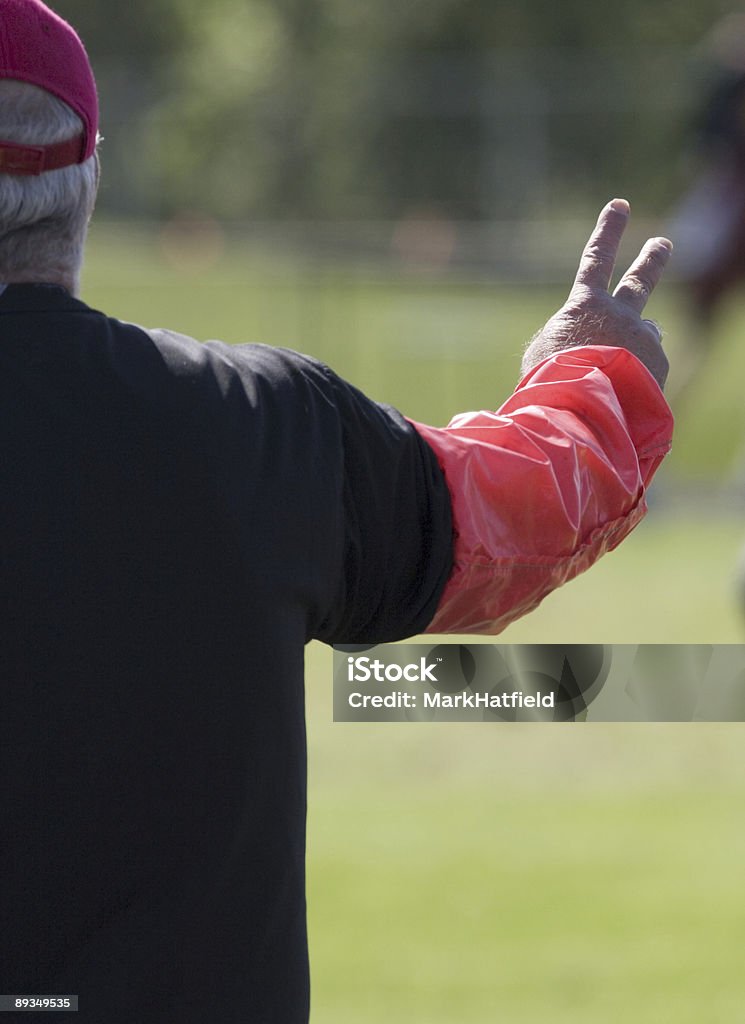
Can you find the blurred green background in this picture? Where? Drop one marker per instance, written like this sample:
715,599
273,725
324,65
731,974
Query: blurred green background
402,190
344,110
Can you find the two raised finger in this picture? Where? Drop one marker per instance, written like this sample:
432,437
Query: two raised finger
600,253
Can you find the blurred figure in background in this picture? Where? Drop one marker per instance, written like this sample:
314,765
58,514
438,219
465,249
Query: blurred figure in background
709,225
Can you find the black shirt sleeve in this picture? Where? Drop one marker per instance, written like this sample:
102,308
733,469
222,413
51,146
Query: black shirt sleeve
365,507
396,536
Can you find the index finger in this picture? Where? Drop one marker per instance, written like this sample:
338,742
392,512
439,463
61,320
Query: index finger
599,255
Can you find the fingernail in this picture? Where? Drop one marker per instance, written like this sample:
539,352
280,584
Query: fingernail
620,205
665,243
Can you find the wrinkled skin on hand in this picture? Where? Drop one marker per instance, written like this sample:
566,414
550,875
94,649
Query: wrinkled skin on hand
592,315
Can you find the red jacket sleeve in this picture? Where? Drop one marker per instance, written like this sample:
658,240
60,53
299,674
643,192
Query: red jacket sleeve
543,487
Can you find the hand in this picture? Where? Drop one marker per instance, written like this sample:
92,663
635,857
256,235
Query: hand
592,316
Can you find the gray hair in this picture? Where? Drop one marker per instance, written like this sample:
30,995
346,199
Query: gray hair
43,218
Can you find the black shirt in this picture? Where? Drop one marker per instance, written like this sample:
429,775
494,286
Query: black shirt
176,521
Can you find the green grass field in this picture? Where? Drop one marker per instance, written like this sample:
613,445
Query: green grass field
516,873
521,874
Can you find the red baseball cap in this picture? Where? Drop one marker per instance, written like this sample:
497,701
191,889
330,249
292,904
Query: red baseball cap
37,46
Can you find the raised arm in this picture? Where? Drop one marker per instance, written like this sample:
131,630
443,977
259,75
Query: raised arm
544,486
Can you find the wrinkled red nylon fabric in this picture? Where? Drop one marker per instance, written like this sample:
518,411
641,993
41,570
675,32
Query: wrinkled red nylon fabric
548,483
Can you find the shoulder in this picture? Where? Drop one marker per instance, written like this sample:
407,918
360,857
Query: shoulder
275,367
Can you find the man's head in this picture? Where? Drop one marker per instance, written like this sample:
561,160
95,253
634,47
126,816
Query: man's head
48,135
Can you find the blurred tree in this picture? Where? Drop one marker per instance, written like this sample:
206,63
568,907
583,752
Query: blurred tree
343,108
140,31
132,47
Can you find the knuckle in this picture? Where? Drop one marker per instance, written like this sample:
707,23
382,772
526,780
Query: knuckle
633,292
597,253
641,287
653,329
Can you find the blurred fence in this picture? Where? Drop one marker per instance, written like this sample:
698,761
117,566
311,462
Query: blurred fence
423,243
499,137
